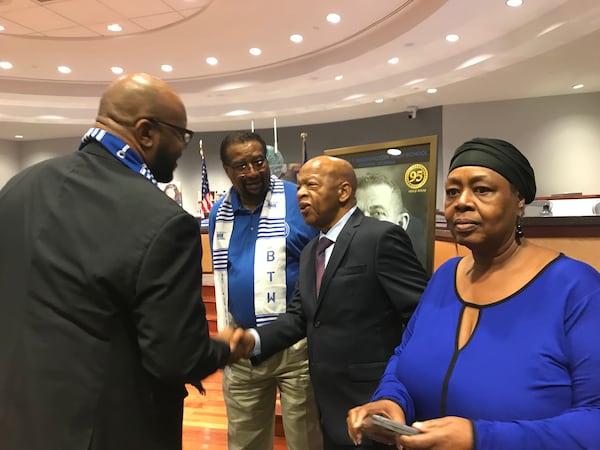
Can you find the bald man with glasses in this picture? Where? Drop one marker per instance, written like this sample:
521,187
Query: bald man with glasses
101,314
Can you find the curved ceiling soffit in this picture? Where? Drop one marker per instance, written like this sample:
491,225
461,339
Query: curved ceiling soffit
401,20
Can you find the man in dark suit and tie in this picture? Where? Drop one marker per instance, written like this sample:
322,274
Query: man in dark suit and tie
353,317
101,314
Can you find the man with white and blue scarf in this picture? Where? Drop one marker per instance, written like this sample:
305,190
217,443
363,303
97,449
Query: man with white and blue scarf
257,234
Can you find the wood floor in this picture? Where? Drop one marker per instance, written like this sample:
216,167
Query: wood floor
205,420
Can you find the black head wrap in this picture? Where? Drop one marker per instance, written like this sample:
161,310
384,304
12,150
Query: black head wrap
499,156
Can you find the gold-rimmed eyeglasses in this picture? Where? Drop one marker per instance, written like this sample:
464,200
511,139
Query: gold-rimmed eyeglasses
257,164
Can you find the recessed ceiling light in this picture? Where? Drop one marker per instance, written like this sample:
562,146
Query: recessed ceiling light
212,61
514,3
578,86
237,112
64,69
394,60
166,68
394,151
473,61
379,100
431,90
452,37
2,28
114,27
333,18
5,65
339,77
116,70
255,51
18,136
297,38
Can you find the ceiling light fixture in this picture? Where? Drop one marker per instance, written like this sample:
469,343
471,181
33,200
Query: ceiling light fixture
394,151
354,96
296,38
255,51
473,61
415,81
577,86
452,37
431,90
50,117
5,65
379,100
237,112
2,28
394,60
550,29
64,69
339,77
166,68
114,27
212,61
333,18
18,136
514,3
116,70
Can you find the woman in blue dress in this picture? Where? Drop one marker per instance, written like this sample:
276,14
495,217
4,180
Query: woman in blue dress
503,351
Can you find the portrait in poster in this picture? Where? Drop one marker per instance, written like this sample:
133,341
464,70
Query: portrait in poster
396,182
173,191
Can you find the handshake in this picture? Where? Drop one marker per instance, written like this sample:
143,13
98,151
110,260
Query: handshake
240,341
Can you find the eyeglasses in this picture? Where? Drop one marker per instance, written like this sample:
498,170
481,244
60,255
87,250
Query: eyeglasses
186,135
244,167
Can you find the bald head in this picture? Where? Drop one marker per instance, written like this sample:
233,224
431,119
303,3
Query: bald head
338,169
138,95
326,191
146,113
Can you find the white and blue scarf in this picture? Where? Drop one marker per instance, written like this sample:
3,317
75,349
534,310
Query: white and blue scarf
269,257
119,149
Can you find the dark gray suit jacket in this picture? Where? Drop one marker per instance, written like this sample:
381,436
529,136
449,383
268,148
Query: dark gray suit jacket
101,316
370,287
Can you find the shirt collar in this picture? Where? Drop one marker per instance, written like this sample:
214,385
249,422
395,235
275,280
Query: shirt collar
335,230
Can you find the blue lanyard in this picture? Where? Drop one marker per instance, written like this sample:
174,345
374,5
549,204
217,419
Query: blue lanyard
119,150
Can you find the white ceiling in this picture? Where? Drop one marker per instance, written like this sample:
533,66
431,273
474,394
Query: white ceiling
542,48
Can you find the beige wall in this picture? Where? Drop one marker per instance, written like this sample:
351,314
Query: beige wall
585,249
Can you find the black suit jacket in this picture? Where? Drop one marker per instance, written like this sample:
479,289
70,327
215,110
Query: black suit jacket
101,316
370,287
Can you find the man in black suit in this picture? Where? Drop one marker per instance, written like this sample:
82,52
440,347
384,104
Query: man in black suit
369,288
101,315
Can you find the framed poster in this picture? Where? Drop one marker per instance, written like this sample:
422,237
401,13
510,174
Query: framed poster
397,182
173,191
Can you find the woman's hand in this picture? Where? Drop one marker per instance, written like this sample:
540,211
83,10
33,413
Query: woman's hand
447,433
356,419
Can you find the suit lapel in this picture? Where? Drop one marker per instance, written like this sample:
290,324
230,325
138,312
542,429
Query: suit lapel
339,250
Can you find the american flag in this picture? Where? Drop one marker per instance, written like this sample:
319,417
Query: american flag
206,197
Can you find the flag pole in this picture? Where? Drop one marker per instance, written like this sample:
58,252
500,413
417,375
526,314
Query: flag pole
304,156
275,133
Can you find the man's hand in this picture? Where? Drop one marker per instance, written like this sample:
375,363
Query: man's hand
241,343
